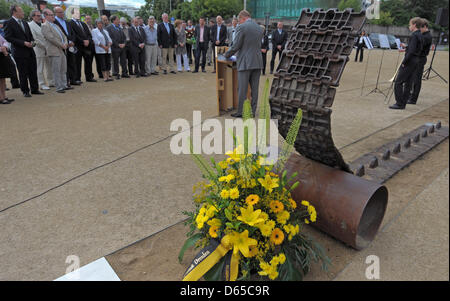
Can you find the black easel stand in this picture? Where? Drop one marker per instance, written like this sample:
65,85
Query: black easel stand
376,89
426,74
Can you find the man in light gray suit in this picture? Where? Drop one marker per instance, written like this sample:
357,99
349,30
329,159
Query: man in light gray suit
247,45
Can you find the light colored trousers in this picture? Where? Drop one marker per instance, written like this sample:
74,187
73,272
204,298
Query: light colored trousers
167,52
245,78
59,69
44,66
209,53
151,57
185,61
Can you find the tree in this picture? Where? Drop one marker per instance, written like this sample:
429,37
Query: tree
385,19
4,9
355,4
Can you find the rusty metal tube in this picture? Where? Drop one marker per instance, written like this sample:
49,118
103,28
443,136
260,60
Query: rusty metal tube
348,207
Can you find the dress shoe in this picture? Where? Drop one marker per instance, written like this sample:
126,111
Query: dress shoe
60,91
195,71
118,77
209,64
236,115
144,75
396,107
410,102
204,71
132,73
75,84
109,80
7,89
16,87
173,72
37,92
44,87
100,76
125,76
27,94
68,88
91,80
165,72
4,102
9,99
155,73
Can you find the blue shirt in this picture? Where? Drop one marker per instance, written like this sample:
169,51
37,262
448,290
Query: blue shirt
167,27
63,24
218,32
150,35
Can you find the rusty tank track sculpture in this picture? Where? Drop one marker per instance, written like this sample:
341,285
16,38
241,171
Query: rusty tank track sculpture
309,71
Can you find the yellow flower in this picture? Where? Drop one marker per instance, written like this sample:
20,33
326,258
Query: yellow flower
225,194
223,164
215,222
306,221
235,155
268,270
276,206
293,203
312,213
227,178
213,231
249,216
211,211
282,217
273,274
201,218
282,258
265,229
241,243
253,251
277,236
264,216
234,193
273,175
305,203
268,183
252,199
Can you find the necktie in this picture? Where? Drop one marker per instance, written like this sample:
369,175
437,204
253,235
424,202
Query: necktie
21,25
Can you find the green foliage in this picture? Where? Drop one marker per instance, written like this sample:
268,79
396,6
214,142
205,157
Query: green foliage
205,168
385,19
191,10
190,242
4,9
355,4
288,145
402,11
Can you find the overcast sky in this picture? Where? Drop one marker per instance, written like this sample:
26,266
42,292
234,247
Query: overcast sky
93,3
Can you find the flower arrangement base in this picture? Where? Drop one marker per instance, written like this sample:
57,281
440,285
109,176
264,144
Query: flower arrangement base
351,209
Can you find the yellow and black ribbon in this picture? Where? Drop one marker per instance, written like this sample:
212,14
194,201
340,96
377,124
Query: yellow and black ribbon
210,256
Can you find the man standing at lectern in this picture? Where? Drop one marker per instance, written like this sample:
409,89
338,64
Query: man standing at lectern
247,44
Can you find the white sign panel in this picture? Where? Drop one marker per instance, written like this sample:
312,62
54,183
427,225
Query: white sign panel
368,43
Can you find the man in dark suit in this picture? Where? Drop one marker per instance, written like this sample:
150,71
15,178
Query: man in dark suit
417,79
279,39
118,47
71,56
409,65
18,33
83,41
247,45
201,40
264,48
218,35
137,39
167,41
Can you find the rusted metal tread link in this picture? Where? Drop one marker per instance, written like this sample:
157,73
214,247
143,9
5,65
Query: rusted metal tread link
383,163
310,67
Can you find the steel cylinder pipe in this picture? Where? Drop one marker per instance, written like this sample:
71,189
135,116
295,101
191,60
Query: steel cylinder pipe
349,208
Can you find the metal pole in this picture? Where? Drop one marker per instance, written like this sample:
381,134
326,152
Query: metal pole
100,6
245,4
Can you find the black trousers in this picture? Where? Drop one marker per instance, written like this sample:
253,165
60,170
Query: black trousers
71,67
189,52
274,54
402,87
104,60
201,50
359,50
129,56
27,73
119,55
86,55
139,60
14,79
264,57
416,84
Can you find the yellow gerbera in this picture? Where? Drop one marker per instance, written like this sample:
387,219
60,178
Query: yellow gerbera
277,236
269,183
252,199
213,231
224,194
215,222
282,217
293,203
276,206
253,251
249,216
234,193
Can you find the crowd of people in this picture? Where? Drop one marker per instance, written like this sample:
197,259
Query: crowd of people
51,51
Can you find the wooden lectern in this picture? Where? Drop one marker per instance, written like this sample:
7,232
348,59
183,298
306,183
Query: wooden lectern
226,82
